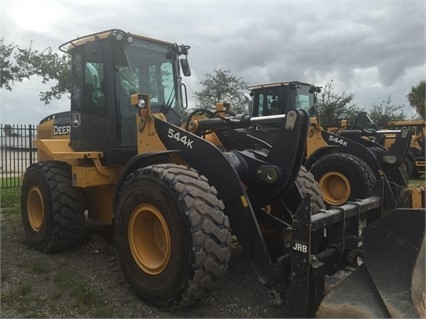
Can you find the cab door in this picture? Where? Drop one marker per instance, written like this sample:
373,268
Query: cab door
89,99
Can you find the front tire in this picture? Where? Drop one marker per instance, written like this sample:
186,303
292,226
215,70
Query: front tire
286,205
343,177
52,209
307,184
171,234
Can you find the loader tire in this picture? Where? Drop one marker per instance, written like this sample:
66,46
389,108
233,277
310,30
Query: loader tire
171,235
307,184
285,207
343,177
52,209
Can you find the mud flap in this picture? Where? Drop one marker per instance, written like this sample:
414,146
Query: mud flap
390,283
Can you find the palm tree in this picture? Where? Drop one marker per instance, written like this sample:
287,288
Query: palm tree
417,98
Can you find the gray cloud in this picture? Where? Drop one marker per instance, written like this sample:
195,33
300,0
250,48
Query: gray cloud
370,48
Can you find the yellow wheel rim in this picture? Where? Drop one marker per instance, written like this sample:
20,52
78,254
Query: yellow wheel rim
149,239
335,188
35,208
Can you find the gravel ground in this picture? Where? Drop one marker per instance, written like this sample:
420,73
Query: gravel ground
32,286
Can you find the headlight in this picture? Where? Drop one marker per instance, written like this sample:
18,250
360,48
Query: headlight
141,104
130,39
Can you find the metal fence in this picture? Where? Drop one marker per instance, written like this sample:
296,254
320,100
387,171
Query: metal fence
17,152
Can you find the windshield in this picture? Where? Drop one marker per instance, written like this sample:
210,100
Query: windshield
303,99
280,99
269,101
144,68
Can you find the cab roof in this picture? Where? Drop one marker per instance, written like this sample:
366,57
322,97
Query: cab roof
79,41
275,84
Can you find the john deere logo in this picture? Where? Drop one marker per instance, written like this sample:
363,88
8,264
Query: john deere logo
61,129
76,120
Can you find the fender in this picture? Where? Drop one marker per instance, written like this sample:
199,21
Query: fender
139,161
390,160
322,151
351,147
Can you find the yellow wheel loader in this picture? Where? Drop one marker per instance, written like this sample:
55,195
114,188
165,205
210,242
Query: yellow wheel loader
415,161
174,192
347,164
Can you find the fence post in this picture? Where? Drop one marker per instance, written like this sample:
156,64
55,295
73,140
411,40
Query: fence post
30,136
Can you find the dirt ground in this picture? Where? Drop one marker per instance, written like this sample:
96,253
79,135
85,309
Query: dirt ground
32,286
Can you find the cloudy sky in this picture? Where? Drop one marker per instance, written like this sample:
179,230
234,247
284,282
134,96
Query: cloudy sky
371,48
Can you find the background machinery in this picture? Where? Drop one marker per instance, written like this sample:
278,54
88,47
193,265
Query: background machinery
415,161
174,191
346,164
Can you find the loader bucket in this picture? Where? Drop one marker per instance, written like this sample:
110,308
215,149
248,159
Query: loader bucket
393,253
391,281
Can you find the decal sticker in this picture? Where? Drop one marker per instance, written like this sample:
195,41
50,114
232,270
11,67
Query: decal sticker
303,248
181,138
76,120
337,140
244,201
61,130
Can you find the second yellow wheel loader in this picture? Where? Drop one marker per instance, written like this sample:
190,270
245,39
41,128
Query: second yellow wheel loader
416,157
346,164
174,197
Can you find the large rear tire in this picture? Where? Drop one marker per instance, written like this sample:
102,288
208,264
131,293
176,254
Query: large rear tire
171,234
343,177
52,209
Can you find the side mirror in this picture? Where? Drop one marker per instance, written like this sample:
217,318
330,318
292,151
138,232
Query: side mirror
185,66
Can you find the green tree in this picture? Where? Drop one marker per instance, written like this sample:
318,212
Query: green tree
222,86
417,98
333,107
385,112
10,72
8,131
50,66
18,64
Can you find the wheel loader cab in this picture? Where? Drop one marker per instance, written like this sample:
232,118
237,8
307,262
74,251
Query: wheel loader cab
107,68
279,98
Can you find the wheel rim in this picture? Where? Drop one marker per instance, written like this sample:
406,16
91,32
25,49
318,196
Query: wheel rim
149,239
35,208
335,188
